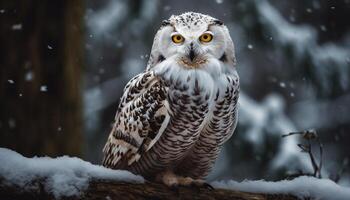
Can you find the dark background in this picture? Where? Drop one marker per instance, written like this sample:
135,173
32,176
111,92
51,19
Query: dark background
63,65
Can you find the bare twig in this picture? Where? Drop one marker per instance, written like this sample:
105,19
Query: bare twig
310,135
321,157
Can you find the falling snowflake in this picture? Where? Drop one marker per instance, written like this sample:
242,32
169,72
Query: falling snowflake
88,46
250,46
167,8
219,1
12,123
17,27
11,81
119,44
49,47
282,85
323,28
29,76
43,88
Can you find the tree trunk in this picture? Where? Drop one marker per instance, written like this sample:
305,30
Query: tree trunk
40,76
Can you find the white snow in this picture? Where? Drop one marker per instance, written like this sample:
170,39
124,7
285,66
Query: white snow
29,76
64,176
320,189
43,88
17,27
282,84
68,176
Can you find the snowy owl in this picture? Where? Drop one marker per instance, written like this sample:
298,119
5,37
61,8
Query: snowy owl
174,118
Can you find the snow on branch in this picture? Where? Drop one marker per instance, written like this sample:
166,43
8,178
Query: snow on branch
72,178
303,187
62,176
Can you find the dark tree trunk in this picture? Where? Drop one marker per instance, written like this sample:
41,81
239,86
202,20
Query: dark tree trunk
40,76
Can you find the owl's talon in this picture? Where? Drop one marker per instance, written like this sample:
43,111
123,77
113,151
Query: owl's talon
201,184
208,186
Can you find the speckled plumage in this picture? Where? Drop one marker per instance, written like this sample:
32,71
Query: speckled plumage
177,114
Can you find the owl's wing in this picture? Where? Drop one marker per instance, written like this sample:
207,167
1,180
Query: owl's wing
140,120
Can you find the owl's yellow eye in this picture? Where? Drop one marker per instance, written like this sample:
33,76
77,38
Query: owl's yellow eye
206,37
177,38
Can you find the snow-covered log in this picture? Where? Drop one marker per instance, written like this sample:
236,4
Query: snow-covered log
72,178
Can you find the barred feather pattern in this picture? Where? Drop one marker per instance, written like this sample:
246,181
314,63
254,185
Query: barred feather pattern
139,116
175,124
218,130
201,121
187,113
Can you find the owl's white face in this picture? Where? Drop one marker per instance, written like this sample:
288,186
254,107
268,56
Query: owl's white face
193,41
192,47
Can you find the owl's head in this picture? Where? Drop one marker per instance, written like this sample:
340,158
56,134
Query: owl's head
192,40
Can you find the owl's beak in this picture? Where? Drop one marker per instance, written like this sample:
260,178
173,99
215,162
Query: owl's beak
192,53
192,59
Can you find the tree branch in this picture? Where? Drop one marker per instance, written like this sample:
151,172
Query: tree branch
108,190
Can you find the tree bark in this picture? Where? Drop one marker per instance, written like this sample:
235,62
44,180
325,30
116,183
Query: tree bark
128,191
40,76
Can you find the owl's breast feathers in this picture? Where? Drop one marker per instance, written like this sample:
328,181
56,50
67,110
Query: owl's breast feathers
172,121
203,119
140,120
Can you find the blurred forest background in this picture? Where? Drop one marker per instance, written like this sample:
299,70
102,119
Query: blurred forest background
64,63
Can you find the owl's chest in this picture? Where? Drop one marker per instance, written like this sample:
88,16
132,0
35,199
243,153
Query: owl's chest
191,106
